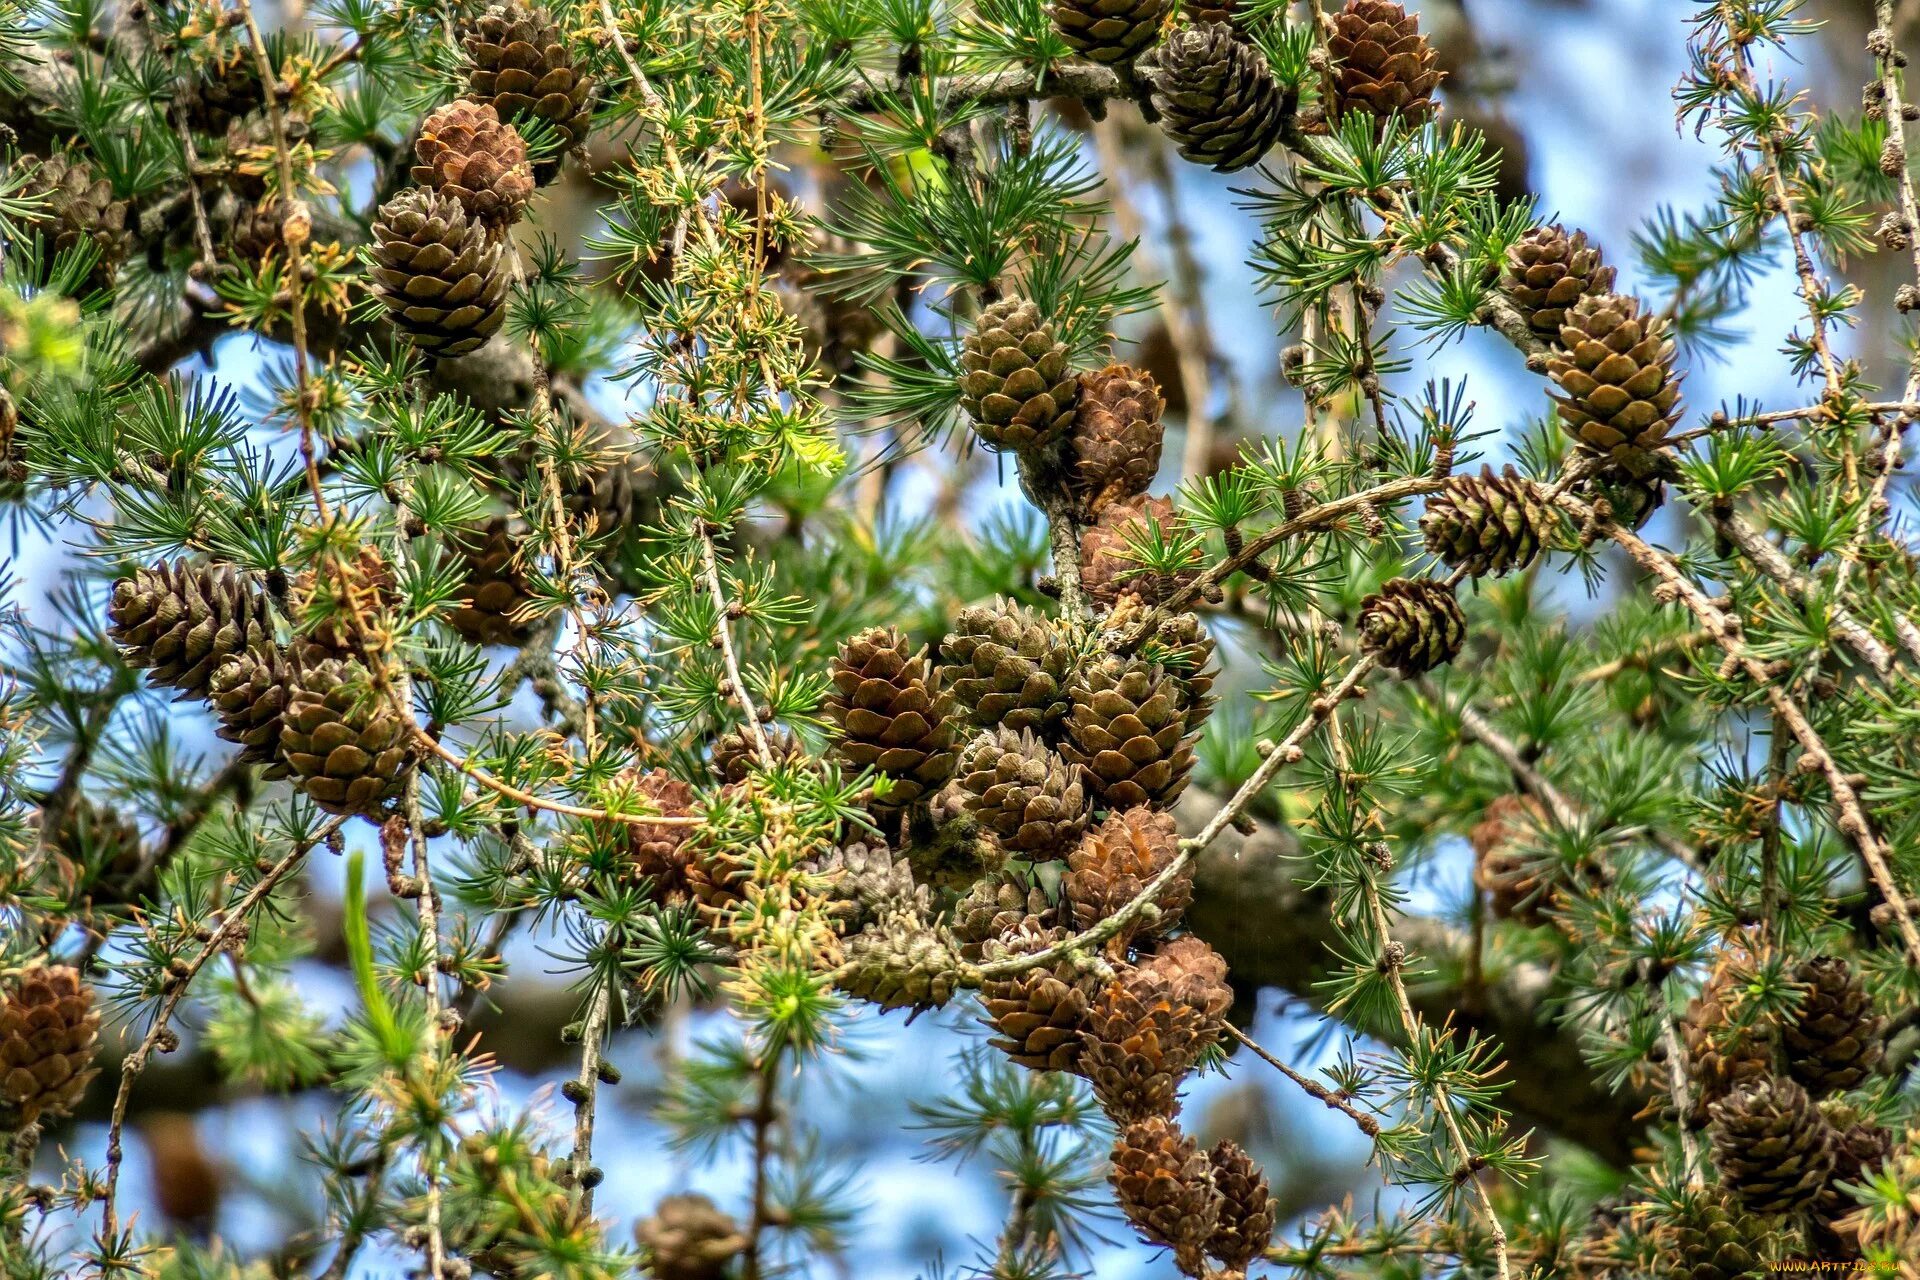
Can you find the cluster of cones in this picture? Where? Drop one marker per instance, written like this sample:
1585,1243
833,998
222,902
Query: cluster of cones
1610,356
440,259
1212,89
305,708
1772,1091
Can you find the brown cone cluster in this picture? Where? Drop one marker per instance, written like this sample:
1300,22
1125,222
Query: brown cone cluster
1113,865
1110,564
1116,438
49,1029
1382,65
522,68
467,153
892,713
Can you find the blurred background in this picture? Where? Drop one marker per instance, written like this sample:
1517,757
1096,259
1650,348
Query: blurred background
1576,92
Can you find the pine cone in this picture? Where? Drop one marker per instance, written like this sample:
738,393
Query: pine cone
79,206
892,713
1111,32
736,754
1129,729
901,962
495,588
1487,523
1164,1184
522,67
1016,385
1631,499
255,231
443,279
1861,1148
466,153
1412,625
1548,271
1514,882
1216,97
1245,1226
1112,864
657,850
1197,972
249,693
1117,437
1110,569
1772,1146
1382,64
181,620
867,882
1034,802
1038,1013
1723,1055
48,1032
689,1238
1181,644
1707,1238
345,743
997,905
1833,1040
1008,667
1616,368
1146,1030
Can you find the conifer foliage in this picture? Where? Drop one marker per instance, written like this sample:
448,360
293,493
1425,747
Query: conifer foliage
555,605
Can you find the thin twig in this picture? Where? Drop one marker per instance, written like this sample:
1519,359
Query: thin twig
1364,1122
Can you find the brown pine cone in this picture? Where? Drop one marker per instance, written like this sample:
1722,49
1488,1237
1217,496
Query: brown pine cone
1033,802
1774,1149
1616,368
1216,96
441,275
345,743
1164,1184
689,1238
1245,1226
1833,1039
892,713
1038,1013
1112,865
1116,439
1112,32
1724,1053
656,850
1412,625
1110,568
995,906
496,588
1146,1030
736,753
249,693
1382,64
1008,667
1515,885
49,1030
79,208
1015,383
522,67
1548,271
1131,729
182,620
1487,524
466,152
